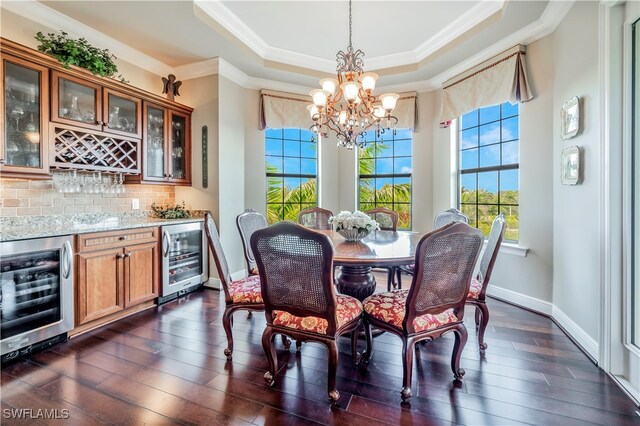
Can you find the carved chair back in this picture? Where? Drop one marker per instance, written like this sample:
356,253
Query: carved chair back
218,255
448,216
296,272
445,259
248,222
315,218
491,252
387,219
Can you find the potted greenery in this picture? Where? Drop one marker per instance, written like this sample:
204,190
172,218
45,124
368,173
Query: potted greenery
80,53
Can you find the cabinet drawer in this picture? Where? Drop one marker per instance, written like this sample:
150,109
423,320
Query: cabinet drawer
113,239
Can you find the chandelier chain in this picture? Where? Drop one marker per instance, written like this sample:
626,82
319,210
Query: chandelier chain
350,45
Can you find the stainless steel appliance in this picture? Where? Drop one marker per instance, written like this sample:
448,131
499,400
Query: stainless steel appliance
36,295
184,259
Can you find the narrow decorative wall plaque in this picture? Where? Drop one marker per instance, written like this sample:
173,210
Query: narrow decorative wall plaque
205,163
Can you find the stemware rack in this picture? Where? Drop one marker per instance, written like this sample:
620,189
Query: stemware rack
92,151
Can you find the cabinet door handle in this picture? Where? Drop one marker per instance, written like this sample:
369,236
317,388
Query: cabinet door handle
128,254
2,161
123,237
166,239
120,256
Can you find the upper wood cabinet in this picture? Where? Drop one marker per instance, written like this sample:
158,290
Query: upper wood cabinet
24,117
47,111
86,104
166,144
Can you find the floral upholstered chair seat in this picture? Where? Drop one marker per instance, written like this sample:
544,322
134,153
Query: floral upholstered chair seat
347,310
390,308
475,289
246,290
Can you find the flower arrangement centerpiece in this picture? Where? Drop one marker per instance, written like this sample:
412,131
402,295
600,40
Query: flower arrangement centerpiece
353,226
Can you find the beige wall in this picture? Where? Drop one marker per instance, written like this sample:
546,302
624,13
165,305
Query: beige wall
576,241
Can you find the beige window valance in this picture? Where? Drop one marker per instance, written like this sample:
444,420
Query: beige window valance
500,79
286,110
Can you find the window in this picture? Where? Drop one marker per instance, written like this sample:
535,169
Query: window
292,169
384,170
488,167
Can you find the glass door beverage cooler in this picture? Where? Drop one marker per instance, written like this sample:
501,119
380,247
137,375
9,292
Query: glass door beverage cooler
184,259
36,294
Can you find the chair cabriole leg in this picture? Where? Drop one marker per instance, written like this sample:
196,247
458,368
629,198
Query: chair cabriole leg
270,351
407,368
366,355
483,324
334,395
478,316
460,333
227,319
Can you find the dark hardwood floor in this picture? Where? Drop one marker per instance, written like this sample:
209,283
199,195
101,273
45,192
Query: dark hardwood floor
166,366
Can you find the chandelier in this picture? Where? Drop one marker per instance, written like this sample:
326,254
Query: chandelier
346,107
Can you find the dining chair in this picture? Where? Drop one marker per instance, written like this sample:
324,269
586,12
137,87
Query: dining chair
441,219
296,271
388,221
243,294
315,218
448,216
434,304
478,289
248,222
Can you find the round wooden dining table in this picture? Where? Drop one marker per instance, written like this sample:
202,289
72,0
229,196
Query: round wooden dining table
378,249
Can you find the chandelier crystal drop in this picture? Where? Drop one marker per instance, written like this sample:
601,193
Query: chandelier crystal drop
346,106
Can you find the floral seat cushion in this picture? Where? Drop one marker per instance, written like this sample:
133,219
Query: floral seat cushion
347,310
246,290
390,308
475,289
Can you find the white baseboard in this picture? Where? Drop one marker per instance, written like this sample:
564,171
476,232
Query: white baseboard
214,282
575,332
520,299
581,337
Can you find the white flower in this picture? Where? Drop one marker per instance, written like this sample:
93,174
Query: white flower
356,220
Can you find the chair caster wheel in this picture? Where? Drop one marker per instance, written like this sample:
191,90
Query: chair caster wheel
268,379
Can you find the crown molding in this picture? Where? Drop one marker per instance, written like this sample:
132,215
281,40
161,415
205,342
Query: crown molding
551,17
219,13
44,15
35,11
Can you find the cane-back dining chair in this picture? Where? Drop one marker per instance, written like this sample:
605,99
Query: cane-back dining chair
315,218
248,222
448,216
434,304
243,294
478,289
296,271
388,221
442,218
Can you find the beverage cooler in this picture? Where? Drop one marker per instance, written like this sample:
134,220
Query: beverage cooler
36,294
184,259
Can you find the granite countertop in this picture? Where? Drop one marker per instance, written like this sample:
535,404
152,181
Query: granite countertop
13,229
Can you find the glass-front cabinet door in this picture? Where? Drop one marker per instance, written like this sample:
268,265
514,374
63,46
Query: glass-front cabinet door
122,114
155,143
76,102
24,117
178,155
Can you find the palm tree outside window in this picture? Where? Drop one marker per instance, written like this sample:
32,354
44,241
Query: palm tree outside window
384,172
292,171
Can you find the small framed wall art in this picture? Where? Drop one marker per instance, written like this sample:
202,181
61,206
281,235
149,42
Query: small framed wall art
570,121
570,166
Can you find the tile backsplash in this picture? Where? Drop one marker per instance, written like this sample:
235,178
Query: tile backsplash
19,197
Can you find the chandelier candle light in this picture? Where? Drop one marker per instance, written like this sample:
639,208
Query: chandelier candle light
346,106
